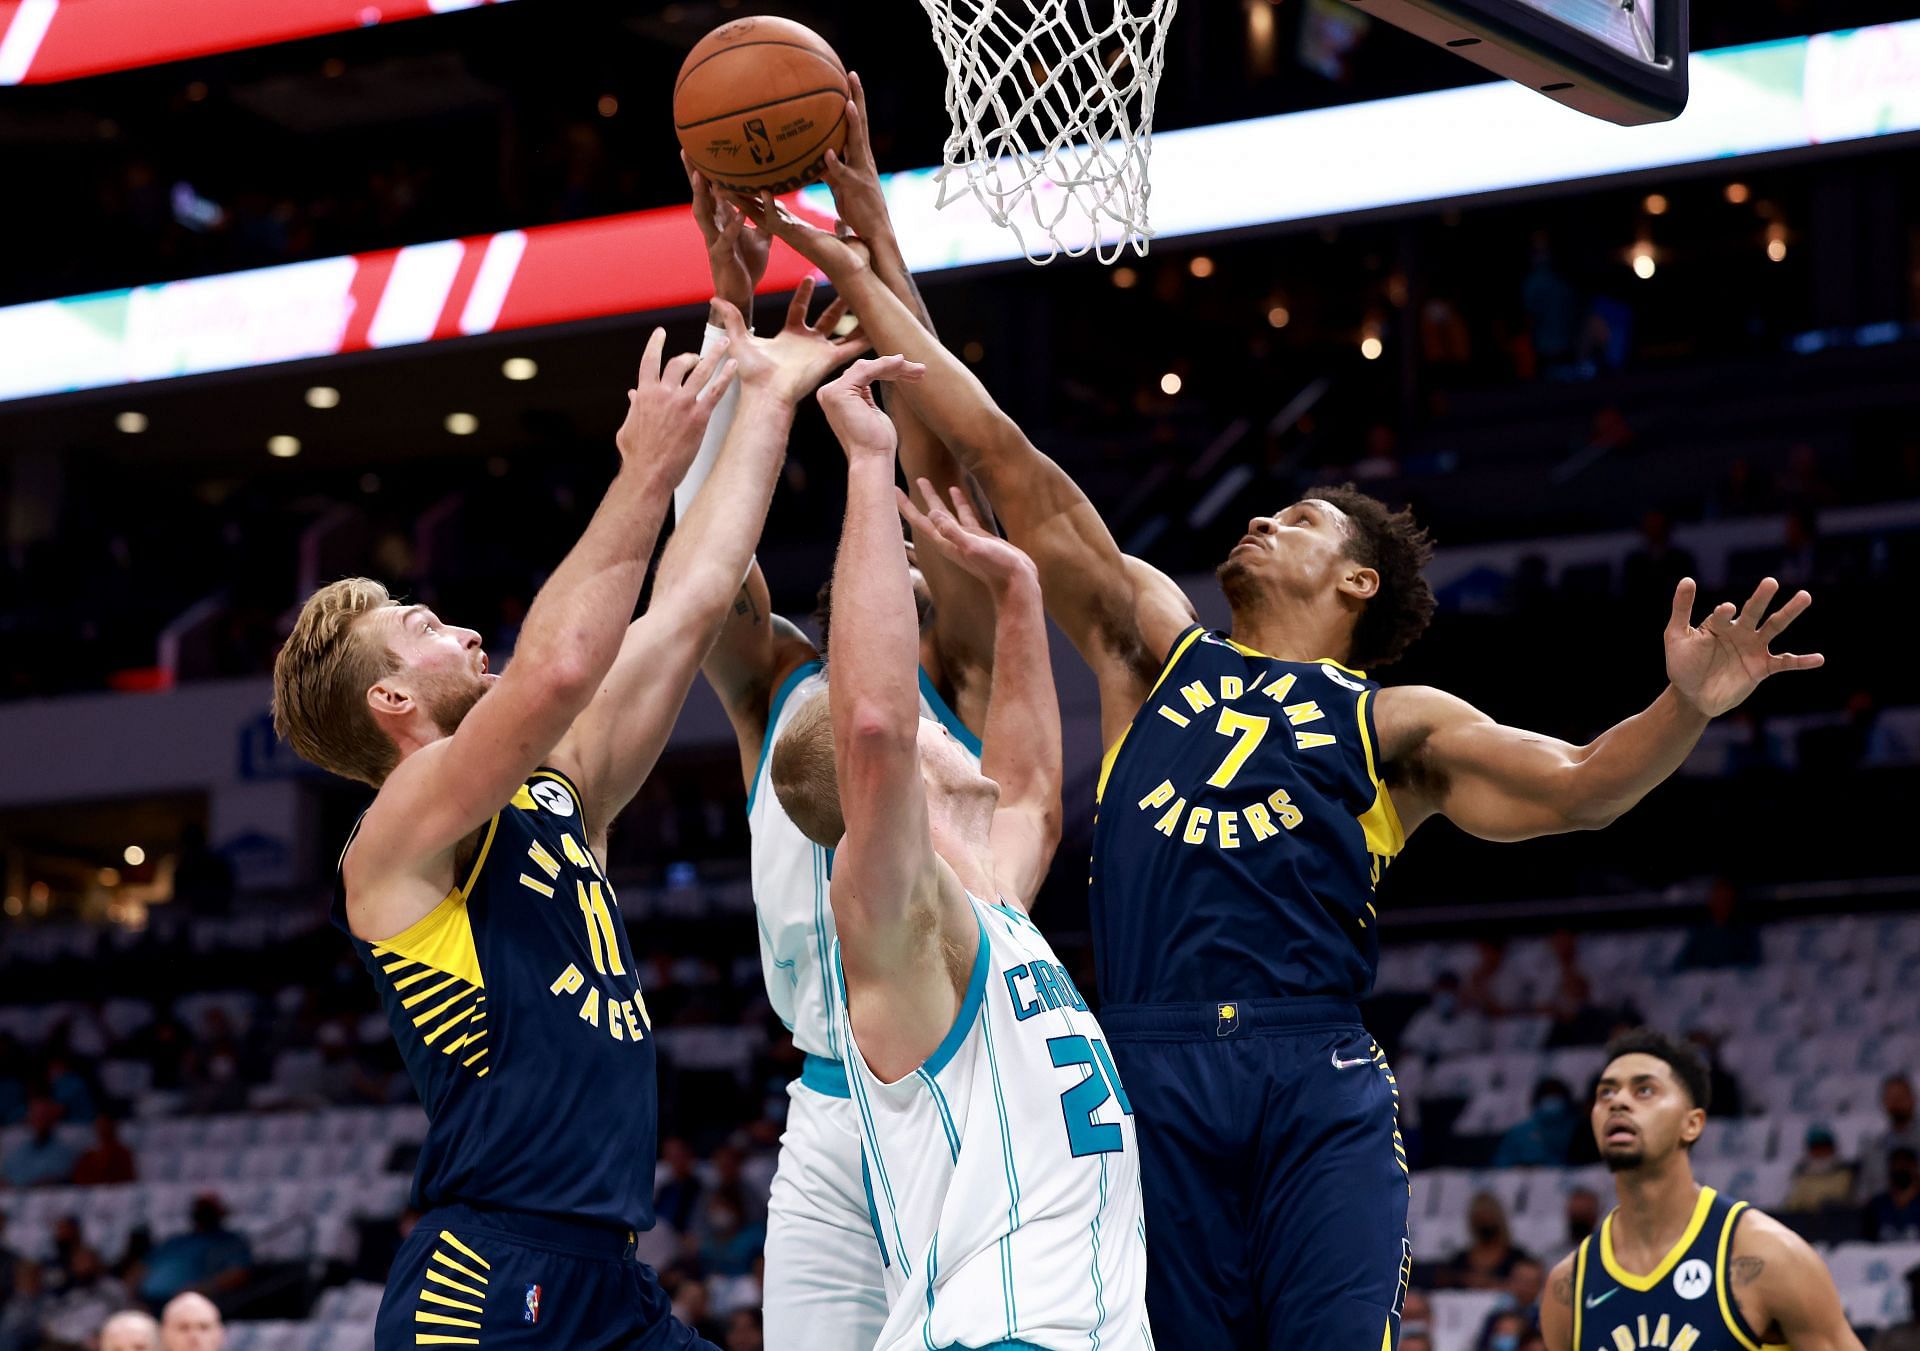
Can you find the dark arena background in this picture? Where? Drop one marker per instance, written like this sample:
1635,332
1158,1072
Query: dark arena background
337,296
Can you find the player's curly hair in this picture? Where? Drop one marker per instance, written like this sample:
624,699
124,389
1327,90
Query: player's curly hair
1683,1058
1397,547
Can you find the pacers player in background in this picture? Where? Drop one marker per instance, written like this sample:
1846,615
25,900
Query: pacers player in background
1000,1158
825,1289
1676,1264
475,889
1255,785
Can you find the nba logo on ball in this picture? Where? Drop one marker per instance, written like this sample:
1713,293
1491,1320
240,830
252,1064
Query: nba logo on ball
1693,1279
532,1314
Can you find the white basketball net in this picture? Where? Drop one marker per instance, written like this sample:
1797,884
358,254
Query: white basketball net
1052,106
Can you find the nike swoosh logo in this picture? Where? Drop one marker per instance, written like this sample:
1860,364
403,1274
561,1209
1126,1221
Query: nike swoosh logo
1593,1300
1340,1064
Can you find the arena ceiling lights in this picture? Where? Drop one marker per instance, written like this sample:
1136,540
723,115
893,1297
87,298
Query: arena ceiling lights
1331,162
43,41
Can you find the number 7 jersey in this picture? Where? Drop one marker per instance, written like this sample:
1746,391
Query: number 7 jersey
1240,830
1003,1175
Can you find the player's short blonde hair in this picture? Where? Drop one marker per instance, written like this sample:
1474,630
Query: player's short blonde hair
321,678
803,774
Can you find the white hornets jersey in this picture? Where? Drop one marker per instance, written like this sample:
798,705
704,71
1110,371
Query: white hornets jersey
790,875
1003,1174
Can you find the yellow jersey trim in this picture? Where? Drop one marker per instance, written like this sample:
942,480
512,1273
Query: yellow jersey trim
443,937
1642,1284
1246,651
1380,822
1113,751
1579,1286
1722,1286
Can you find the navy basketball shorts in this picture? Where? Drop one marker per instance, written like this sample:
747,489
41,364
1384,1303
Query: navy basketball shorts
498,1279
1275,1179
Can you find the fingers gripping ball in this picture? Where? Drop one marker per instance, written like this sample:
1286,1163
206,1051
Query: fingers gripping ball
758,104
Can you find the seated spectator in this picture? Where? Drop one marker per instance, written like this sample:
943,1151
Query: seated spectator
744,1331
675,1200
1822,1180
42,1159
190,1322
690,1306
1416,1322
1484,987
209,1257
1505,1332
130,1330
728,1242
1520,1298
1894,1215
1896,1100
108,1161
1723,1088
1489,1257
89,1294
1583,1215
1904,1336
1446,1026
1542,1140
68,1087
1725,940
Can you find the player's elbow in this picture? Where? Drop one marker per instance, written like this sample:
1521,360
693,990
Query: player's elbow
872,732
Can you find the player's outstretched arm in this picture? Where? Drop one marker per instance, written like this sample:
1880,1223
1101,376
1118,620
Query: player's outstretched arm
1795,1291
899,909
1556,1307
1020,746
443,792
962,608
1447,758
1122,632
613,745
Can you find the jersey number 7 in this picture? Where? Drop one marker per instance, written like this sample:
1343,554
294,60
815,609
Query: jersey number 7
1078,1104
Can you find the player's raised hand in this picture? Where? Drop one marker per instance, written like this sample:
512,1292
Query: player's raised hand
837,256
957,533
736,252
855,415
1715,665
668,407
797,358
855,178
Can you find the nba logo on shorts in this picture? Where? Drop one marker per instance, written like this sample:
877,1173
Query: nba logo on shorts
532,1314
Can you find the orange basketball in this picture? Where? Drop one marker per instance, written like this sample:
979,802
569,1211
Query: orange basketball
758,104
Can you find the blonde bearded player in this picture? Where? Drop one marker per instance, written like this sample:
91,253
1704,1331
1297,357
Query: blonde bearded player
824,1287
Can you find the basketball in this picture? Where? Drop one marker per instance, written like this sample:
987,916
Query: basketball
758,103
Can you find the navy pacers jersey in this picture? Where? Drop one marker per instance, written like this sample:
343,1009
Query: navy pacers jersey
1685,1304
1241,829
518,1011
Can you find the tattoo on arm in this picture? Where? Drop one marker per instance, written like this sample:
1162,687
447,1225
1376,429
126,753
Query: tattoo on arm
1563,1289
1746,1270
744,605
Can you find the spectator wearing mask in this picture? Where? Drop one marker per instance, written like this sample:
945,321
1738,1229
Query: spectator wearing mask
676,1200
1542,1140
43,1159
1583,1215
1489,1257
1894,1215
190,1322
1416,1322
1519,1300
109,1160
1821,1179
1446,1026
728,1242
209,1257
1904,1336
130,1330
1896,1100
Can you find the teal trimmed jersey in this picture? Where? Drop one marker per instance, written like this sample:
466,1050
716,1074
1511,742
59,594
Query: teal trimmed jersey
1684,1304
517,1007
1241,828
